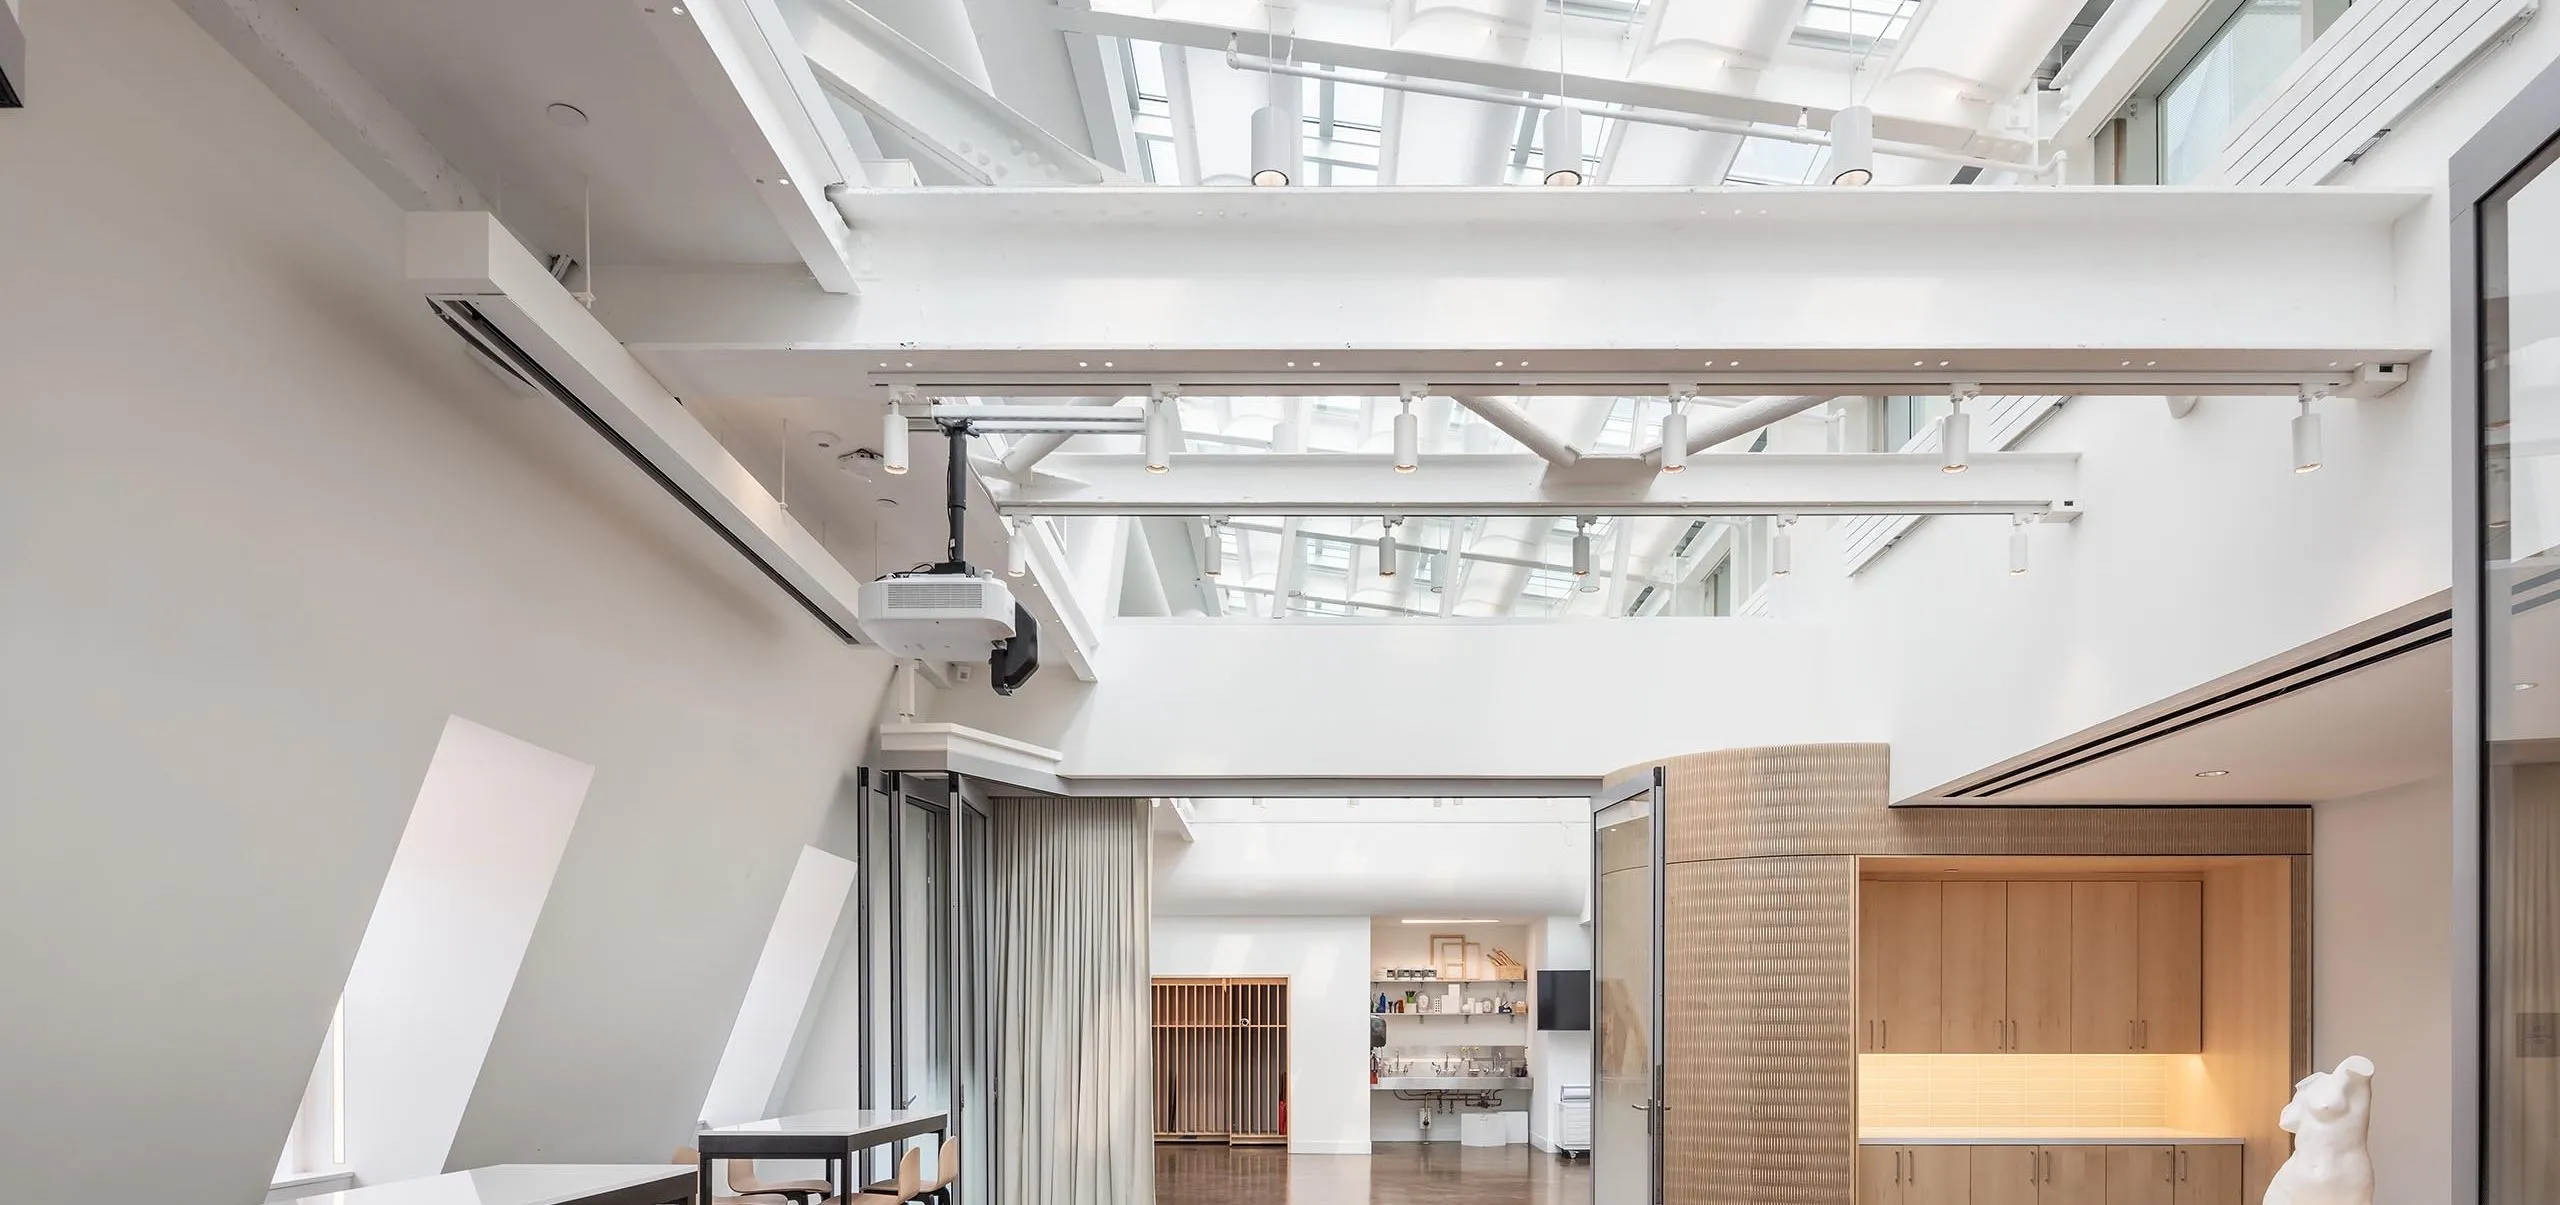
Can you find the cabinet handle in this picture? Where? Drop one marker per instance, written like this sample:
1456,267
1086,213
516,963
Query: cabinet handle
2031,1167
1897,1167
2172,1176
2182,1167
1884,1038
1915,1167
2048,1167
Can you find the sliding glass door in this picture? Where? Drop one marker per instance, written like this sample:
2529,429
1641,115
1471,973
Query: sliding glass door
1626,988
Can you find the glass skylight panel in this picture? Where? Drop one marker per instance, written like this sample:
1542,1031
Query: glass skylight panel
1548,584
1853,26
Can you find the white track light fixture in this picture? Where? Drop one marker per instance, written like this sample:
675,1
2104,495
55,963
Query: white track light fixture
1853,146
1582,547
1387,549
2306,437
1675,434
1213,547
1955,433
1161,418
2018,545
893,440
1017,548
1564,146
1271,147
1408,438
1782,548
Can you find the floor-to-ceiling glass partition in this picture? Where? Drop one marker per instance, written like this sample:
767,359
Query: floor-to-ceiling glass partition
2509,244
1626,989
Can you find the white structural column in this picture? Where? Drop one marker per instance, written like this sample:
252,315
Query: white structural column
942,110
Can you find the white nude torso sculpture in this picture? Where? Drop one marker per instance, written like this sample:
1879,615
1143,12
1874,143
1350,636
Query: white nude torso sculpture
2330,1113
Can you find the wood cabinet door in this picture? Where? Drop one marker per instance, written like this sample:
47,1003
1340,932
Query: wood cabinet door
1898,944
2209,1175
1974,967
1937,1175
2005,1175
2075,1175
2105,961
1879,1175
2142,1175
2170,976
2040,968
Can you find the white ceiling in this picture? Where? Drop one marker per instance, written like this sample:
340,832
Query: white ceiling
475,77
2378,727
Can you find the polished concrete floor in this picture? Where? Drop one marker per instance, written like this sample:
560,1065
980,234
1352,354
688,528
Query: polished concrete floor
1395,1173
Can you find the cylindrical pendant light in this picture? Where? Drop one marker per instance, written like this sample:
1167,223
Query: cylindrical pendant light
2018,546
1782,548
1271,147
1017,550
1564,145
1853,145
1213,548
1581,548
1387,551
1675,439
1408,439
2306,438
893,440
1955,436
1159,440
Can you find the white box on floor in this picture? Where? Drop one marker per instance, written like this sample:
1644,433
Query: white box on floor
1480,1129
1515,1126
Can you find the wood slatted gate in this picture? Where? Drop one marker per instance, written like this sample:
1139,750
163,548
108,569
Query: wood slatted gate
1221,1060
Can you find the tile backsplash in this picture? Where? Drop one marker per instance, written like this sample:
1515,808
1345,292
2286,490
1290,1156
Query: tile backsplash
2014,1089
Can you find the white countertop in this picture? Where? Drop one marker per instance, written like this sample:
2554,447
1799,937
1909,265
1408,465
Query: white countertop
1453,1083
518,1184
2036,1136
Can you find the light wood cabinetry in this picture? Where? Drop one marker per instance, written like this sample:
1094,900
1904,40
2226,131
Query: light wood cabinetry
2210,1175
2142,1175
1973,989
2040,968
1915,1175
2062,1174
2031,966
2105,964
1899,967
2169,975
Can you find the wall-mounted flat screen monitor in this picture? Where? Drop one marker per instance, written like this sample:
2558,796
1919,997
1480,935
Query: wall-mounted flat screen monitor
1564,999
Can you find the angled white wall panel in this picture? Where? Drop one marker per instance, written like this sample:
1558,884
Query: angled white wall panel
447,936
804,928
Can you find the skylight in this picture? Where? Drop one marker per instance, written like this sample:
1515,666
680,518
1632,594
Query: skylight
1853,26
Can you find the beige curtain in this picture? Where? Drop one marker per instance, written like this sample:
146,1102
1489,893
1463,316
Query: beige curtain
1073,1120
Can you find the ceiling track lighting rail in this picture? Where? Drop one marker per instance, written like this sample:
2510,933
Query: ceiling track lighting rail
1237,60
1034,384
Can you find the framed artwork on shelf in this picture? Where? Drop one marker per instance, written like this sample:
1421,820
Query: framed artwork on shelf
1449,955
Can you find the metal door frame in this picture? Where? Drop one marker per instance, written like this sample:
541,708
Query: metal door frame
1647,785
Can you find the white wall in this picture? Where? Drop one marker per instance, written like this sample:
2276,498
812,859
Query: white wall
2382,971
1471,699
1558,1058
1327,962
1332,857
267,526
778,994
448,934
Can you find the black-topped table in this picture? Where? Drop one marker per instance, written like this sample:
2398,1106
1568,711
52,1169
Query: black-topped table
833,1136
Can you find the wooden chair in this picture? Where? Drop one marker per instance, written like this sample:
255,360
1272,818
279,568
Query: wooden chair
742,1180
937,1189
692,1158
910,1181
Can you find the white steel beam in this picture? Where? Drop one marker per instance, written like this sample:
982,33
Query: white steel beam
942,112
279,45
747,72
1002,292
1519,485
1512,421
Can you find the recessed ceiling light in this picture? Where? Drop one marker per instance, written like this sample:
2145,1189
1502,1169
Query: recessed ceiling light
2213,773
1733,363
1106,364
910,363
1082,364
1315,363
1293,364
784,181
2527,685
1497,363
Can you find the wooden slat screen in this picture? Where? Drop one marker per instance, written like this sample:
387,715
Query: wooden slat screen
1221,1060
